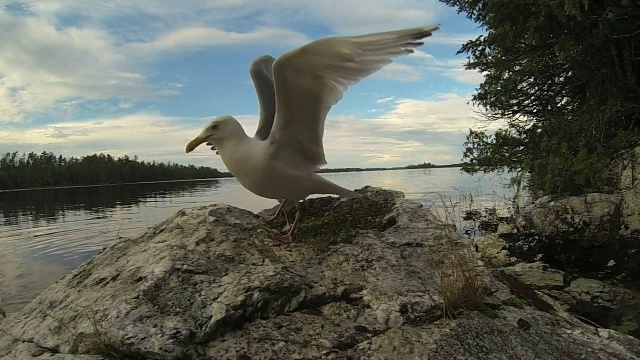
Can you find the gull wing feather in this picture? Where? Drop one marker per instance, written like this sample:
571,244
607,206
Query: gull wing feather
261,71
313,78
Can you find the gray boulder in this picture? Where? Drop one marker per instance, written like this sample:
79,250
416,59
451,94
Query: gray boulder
594,234
210,282
595,216
493,250
586,233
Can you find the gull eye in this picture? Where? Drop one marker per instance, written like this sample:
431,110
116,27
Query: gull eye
214,126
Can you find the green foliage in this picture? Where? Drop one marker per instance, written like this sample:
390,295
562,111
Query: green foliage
47,169
564,76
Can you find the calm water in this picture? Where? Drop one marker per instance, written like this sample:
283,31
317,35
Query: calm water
44,234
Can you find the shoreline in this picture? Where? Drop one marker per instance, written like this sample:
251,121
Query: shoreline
325,171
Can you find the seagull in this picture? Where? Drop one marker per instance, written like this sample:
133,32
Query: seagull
295,93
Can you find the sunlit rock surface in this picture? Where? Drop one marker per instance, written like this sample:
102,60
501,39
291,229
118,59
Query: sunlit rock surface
360,280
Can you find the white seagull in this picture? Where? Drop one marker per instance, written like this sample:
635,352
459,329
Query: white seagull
295,93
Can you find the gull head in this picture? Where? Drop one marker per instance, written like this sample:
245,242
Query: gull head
217,131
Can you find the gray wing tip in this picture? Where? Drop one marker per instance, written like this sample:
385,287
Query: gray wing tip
261,63
424,32
264,58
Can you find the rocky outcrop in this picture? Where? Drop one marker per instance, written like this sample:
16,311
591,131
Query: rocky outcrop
210,282
594,216
597,233
582,251
624,172
586,234
596,302
494,251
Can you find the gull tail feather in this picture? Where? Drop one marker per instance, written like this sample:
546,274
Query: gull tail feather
347,193
332,188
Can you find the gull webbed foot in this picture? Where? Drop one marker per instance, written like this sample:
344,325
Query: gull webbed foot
271,218
287,237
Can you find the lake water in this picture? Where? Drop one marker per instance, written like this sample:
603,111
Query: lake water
44,234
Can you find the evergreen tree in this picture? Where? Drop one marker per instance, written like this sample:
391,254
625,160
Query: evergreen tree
47,169
564,74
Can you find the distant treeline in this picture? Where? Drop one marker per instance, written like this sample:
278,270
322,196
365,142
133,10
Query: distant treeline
428,165
47,169
340,170
425,165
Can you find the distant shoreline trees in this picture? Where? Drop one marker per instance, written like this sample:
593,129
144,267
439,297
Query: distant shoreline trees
47,169
32,170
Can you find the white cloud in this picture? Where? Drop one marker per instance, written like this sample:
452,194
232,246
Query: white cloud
44,61
417,54
144,134
385,100
356,17
452,68
41,64
452,39
446,113
455,69
465,76
48,65
193,38
344,17
398,72
415,130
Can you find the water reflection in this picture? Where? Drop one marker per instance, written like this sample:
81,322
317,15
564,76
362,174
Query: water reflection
50,205
46,233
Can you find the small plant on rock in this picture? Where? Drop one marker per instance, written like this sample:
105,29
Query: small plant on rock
461,284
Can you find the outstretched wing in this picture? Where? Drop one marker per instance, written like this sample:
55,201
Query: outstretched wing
312,78
261,71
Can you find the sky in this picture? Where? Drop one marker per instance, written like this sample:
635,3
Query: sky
142,77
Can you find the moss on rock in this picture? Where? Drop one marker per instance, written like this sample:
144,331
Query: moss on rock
329,221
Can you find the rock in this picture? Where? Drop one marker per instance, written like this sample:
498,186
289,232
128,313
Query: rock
630,214
591,215
538,275
594,291
594,301
506,228
492,250
624,172
16,350
210,282
582,234
607,305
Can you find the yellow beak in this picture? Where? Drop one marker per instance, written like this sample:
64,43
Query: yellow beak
194,144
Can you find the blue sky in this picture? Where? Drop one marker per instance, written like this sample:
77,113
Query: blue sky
142,77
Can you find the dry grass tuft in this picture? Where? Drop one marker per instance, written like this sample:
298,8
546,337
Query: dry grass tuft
462,285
